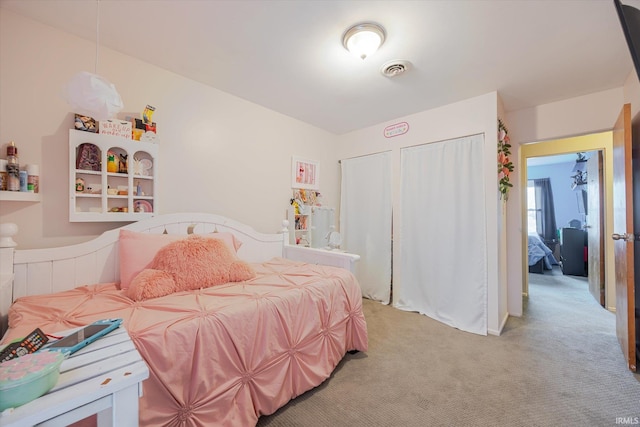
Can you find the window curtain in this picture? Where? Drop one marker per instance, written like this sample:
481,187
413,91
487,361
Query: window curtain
365,221
546,213
442,234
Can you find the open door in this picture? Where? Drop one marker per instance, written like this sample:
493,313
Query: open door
595,226
624,235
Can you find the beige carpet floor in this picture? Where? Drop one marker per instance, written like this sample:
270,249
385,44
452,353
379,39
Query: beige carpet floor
558,365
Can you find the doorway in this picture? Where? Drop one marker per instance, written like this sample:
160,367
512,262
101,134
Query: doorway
593,142
564,224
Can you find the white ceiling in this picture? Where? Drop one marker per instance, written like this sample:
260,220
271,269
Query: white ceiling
287,55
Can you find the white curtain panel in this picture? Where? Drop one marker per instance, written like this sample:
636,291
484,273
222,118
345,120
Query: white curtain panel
365,221
442,236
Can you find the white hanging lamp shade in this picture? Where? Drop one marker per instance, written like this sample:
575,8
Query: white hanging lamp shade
90,94
94,96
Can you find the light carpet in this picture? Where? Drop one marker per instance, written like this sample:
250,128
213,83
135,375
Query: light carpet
558,364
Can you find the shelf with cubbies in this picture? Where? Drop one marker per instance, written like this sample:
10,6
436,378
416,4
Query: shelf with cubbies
300,226
111,179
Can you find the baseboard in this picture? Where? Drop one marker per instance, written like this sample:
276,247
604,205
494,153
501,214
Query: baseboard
499,331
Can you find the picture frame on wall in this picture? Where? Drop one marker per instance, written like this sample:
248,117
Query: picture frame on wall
305,173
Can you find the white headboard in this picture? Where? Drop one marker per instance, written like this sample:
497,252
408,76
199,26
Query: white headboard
43,271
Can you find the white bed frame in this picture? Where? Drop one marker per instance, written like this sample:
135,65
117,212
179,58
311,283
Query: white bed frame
44,271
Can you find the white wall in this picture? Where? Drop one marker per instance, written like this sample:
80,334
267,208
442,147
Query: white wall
473,116
225,155
582,115
218,153
503,260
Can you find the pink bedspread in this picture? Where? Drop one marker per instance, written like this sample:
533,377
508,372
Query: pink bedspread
223,355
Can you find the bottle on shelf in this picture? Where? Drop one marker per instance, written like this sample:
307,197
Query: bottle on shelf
13,168
33,178
23,181
3,175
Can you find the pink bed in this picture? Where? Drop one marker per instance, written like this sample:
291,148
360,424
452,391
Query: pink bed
227,354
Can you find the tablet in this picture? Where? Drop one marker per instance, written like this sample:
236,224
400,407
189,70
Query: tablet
84,336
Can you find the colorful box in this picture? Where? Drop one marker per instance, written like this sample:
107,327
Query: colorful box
118,128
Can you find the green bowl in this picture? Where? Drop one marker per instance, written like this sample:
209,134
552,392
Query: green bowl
28,377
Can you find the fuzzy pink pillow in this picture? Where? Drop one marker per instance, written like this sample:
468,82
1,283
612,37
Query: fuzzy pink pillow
138,249
151,284
193,263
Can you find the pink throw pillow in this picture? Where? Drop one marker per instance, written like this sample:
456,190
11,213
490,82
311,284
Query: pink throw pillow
200,262
187,264
229,238
138,249
151,284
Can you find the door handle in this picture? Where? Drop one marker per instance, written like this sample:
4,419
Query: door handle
624,236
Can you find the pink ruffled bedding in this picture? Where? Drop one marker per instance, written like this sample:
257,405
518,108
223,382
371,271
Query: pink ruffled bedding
223,355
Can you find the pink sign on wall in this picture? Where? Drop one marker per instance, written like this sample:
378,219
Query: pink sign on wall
396,129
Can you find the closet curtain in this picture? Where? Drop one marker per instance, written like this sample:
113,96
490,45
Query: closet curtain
545,211
365,221
442,237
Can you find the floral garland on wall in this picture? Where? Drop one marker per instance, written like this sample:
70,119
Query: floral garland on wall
505,166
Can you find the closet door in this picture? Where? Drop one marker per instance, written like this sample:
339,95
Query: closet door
442,234
365,221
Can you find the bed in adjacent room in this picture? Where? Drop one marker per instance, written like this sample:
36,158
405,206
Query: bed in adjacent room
263,330
540,256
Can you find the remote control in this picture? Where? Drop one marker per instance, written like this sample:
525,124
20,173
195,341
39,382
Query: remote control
34,341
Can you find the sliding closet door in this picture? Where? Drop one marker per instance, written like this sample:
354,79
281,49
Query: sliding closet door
365,221
442,236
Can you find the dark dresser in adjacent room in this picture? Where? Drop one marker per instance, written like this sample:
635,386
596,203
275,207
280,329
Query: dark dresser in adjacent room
573,252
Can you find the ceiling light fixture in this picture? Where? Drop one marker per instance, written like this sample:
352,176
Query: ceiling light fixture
90,94
363,39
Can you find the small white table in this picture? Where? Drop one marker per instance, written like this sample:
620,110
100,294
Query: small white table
104,378
335,258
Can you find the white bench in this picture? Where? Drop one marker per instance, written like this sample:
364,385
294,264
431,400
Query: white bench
104,378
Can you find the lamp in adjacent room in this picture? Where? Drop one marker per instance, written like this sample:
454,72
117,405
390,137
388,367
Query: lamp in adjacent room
90,94
363,39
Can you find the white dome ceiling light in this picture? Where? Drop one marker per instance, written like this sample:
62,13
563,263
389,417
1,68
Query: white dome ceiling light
363,39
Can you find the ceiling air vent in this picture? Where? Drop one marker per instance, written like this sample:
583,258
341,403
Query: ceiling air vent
394,68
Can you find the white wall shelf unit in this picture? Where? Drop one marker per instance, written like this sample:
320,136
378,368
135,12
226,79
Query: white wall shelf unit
127,194
300,226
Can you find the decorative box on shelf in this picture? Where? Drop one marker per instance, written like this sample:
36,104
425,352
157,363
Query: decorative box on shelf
119,128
